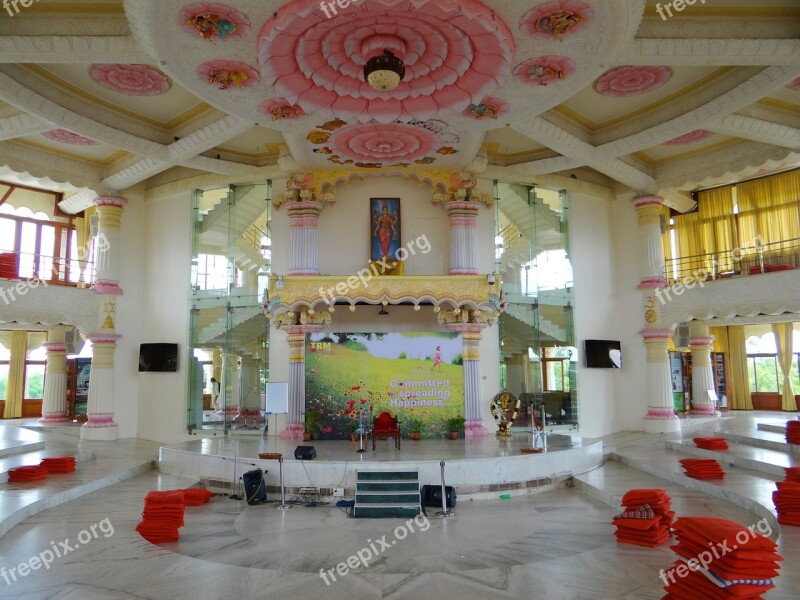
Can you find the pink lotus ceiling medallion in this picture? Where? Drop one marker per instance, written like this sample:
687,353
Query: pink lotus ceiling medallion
632,81
690,138
454,55
543,70
795,85
557,18
67,137
489,108
213,21
228,73
131,80
279,108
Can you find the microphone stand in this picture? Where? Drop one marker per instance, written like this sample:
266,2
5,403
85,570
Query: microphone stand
361,429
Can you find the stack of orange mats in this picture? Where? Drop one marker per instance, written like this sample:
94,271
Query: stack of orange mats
787,502
702,468
26,474
719,559
196,496
162,516
711,443
646,520
793,432
59,464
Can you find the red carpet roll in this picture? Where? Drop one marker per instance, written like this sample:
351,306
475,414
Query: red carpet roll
702,468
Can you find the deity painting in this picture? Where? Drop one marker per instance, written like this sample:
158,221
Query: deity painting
384,227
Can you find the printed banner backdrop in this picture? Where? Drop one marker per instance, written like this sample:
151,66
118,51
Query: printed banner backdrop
415,376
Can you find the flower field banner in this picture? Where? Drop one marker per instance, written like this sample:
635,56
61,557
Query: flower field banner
419,377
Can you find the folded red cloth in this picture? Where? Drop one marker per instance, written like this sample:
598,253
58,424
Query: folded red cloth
196,496
27,473
644,496
687,584
711,443
171,496
158,532
719,531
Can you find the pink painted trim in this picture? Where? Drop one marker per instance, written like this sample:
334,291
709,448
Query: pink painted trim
461,221
690,138
103,338
68,137
304,272
659,413
304,221
475,429
233,408
110,201
54,347
100,420
307,206
54,418
111,288
701,340
642,200
705,410
293,431
464,272
651,283
656,334
465,328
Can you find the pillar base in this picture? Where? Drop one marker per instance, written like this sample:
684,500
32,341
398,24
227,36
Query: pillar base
704,411
107,287
293,431
99,434
475,429
661,420
54,419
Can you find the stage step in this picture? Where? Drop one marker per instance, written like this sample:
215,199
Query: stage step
387,494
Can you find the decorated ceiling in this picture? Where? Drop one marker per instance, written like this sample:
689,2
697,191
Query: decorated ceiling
633,94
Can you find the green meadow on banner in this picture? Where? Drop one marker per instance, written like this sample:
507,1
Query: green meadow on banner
417,376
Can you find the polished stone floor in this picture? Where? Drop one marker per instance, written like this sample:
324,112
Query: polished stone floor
557,544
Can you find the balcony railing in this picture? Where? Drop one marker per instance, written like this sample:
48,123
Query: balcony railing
54,270
762,258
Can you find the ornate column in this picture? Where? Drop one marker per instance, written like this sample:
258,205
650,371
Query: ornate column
100,407
303,221
702,374
463,241
54,405
107,246
229,402
648,210
660,416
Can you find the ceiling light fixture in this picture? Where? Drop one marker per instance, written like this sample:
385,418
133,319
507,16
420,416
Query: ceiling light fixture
384,312
384,72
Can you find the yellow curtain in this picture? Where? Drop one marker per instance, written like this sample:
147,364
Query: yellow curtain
712,229
83,239
720,343
783,342
738,377
769,209
16,375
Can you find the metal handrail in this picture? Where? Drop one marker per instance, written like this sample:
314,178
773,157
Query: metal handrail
70,272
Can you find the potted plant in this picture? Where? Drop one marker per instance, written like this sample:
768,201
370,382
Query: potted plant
455,425
413,428
352,427
313,425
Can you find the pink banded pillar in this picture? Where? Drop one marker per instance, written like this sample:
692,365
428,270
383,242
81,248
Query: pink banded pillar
100,407
473,407
303,221
107,249
54,405
648,211
660,416
295,419
463,242
702,375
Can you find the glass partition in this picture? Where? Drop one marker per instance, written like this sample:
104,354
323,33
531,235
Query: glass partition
229,354
538,357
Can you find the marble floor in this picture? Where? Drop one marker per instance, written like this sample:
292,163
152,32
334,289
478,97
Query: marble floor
556,544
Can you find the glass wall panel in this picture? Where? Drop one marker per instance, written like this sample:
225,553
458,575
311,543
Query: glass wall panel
537,339
229,333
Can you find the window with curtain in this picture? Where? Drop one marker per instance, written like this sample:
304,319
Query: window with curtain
35,366
769,208
5,359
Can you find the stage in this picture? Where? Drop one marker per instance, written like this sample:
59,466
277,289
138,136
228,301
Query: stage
478,466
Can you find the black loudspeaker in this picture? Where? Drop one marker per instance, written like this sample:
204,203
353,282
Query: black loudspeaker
255,489
305,452
432,495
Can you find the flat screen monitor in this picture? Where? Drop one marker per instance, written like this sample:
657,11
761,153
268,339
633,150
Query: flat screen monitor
603,354
158,358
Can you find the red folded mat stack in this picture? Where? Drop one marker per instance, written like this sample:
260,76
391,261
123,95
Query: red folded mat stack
162,516
196,496
59,464
711,443
702,468
787,502
793,432
646,520
25,474
793,474
720,559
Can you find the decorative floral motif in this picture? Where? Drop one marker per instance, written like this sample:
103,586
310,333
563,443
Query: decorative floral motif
213,21
795,85
557,18
632,81
452,58
376,144
227,73
67,137
690,138
543,70
505,408
489,108
278,108
131,80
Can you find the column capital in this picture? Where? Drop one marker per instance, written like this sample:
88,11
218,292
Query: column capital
701,340
103,338
655,334
55,346
110,201
647,200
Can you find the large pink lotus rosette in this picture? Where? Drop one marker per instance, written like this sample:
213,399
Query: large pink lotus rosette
213,21
632,81
690,138
544,70
383,144
131,80
67,137
455,53
557,18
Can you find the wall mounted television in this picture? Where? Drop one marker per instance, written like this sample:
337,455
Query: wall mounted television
158,358
603,354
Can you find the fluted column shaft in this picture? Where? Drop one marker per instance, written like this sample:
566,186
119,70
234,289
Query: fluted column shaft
54,405
702,374
463,239
107,246
658,383
648,211
295,419
100,423
303,222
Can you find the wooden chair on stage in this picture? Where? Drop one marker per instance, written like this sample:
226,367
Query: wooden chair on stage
385,426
